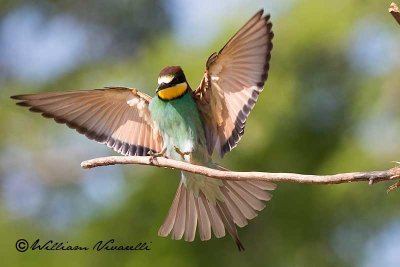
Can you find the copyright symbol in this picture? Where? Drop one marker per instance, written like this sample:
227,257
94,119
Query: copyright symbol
22,245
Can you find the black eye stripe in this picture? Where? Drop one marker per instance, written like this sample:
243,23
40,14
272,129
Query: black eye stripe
178,79
163,86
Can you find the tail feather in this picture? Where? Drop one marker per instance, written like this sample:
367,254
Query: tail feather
248,198
179,225
203,221
169,222
215,219
255,191
244,207
237,215
263,185
191,217
241,202
229,224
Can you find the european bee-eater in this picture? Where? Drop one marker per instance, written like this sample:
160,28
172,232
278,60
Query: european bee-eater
183,124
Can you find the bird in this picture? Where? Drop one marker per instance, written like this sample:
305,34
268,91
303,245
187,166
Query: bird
183,124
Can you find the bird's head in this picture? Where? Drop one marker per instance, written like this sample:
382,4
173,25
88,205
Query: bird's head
171,83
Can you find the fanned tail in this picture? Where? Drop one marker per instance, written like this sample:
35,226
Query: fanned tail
241,202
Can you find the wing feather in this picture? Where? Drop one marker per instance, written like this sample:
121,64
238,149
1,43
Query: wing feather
232,82
115,116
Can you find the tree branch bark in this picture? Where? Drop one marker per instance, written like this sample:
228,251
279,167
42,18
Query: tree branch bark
394,10
371,177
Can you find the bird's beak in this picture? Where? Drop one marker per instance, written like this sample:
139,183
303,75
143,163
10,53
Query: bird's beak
161,86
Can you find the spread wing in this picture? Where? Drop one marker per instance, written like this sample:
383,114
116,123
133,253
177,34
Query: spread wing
116,116
233,79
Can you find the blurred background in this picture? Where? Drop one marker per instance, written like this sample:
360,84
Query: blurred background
330,105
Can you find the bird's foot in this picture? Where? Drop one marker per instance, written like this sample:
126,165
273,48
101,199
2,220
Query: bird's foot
182,154
154,155
395,175
393,187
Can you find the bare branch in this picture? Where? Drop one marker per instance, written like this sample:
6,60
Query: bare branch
394,10
371,177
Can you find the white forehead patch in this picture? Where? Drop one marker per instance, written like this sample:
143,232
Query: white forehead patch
165,79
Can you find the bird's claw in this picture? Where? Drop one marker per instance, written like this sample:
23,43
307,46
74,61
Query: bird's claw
182,154
154,155
396,175
393,187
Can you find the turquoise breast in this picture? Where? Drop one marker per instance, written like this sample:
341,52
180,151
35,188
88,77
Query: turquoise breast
179,123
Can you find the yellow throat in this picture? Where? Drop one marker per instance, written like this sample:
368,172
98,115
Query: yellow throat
172,92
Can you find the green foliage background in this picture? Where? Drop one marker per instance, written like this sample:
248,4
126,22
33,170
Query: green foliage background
320,113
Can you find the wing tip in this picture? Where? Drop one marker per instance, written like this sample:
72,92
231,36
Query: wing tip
17,97
22,100
23,104
259,13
